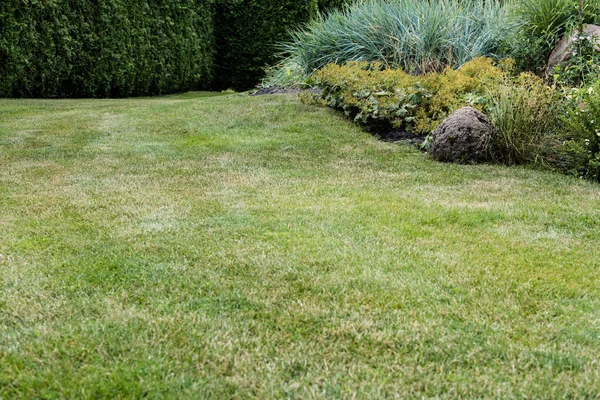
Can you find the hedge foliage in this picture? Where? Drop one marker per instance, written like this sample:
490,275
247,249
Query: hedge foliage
108,48
248,32
325,5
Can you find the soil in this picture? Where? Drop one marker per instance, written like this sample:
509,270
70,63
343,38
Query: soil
398,136
276,90
282,90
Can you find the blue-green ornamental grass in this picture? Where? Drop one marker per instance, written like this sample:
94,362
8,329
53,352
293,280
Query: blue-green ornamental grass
421,36
236,247
417,36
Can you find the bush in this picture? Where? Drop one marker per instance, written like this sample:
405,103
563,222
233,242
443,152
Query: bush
525,114
379,97
87,48
580,150
583,68
417,36
248,32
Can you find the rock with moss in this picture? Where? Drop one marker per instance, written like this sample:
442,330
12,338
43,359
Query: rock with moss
462,137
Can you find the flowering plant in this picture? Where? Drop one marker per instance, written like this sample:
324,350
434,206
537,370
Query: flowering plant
581,132
583,67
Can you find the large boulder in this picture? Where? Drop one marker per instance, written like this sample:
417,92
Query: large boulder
462,137
564,49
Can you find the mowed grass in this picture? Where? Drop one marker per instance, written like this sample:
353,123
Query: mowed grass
237,247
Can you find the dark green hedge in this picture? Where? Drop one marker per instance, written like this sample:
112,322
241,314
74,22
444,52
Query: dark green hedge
325,5
100,48
247,33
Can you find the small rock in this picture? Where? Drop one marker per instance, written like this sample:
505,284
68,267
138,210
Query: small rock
462,137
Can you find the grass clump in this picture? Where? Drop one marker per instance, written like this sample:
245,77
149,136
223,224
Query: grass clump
525,113
428,36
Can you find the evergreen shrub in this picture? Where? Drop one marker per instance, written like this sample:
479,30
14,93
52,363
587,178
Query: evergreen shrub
109,48
248,32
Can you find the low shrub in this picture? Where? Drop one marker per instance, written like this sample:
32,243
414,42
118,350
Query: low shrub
379,97
580,136
524,110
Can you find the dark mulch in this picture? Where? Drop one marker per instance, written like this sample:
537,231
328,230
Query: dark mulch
398,136
276,90
283,90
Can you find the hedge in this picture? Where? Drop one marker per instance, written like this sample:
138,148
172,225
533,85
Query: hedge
326,5
247,33
116,48
120,48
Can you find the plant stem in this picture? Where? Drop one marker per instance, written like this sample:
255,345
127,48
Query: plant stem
581,3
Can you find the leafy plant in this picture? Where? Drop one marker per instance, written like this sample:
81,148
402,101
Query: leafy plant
546,19
523,109
536,26
377,97
580,152
583,68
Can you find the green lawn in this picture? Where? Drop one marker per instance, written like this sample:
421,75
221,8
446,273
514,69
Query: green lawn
238,247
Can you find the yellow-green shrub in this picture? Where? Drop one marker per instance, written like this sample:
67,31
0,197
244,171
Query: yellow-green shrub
376,96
